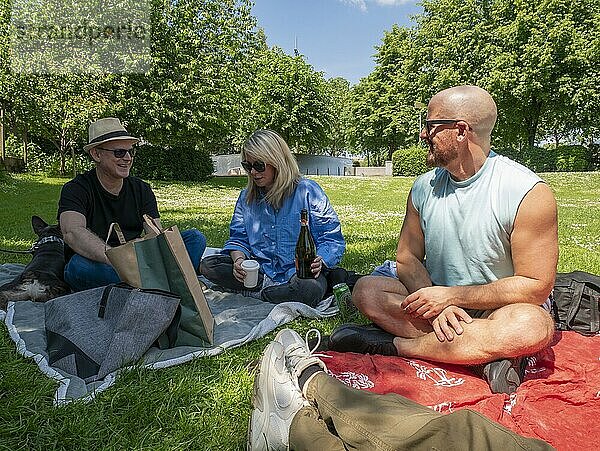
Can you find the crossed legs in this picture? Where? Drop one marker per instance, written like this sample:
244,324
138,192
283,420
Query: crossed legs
218,269
509,331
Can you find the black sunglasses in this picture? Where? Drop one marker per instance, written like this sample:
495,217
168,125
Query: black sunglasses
259,166
431,123
119,153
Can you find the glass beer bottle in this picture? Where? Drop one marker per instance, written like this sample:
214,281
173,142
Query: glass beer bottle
306,250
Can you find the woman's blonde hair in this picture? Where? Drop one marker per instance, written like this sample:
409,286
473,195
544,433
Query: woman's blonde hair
269,147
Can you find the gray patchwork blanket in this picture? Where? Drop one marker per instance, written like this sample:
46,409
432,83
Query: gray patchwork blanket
238,320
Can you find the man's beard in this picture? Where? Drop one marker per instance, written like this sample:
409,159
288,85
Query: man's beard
437,158
430,157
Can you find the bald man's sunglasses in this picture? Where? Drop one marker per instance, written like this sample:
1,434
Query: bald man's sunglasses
258,166
430,124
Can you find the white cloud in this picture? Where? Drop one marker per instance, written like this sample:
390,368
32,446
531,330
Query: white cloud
362,4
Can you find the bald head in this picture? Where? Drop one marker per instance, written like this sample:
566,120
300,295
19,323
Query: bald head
469,103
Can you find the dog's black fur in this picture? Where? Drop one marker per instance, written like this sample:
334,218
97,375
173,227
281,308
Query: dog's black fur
42,279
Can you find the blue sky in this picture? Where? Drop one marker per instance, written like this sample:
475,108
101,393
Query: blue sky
337,37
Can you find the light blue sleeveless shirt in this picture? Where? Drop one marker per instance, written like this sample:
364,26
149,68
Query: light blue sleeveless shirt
467,224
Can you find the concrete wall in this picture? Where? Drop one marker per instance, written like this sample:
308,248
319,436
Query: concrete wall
372,171
308,165
322,164
227,165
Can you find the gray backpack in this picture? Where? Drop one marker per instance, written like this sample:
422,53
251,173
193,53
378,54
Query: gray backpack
94,332
576,297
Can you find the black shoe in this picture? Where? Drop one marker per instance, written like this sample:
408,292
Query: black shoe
362,339
323,343
505,376
336,275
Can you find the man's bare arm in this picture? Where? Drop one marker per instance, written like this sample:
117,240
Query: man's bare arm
411,251
79,238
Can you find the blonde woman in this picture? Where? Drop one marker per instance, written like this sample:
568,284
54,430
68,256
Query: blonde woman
266,224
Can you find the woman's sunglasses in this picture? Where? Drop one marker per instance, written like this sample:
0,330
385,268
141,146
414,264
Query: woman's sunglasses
119,153
259,166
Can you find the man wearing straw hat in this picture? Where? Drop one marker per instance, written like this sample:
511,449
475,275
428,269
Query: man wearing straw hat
107,193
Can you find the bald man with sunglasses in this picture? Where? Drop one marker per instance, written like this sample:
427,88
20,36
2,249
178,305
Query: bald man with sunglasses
107,193
476,257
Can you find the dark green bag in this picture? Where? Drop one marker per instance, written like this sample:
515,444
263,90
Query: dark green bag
160,260
576,297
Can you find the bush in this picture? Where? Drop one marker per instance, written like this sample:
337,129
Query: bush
179,162
83,162
538,159
45,159
572,159
410,161
509,152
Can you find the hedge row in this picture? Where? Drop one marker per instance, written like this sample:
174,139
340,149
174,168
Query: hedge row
572,158
182,162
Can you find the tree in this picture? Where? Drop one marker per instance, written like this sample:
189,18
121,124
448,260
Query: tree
197,89
397,72
56,82
538,60
383,113
4,69
364,128
539,65
196,92
291,98
64,106
339,96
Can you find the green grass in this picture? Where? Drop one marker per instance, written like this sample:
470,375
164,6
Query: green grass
205,404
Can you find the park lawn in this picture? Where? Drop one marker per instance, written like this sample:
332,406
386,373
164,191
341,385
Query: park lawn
205,404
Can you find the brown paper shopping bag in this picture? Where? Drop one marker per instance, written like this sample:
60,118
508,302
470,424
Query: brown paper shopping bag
160,260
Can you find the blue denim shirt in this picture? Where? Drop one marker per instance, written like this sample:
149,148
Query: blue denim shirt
269,235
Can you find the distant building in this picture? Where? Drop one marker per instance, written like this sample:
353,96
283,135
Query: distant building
308,165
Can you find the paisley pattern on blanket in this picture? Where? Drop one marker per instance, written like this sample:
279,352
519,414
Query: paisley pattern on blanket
559,400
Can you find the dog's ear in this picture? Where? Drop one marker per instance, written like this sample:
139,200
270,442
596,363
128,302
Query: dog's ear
38,224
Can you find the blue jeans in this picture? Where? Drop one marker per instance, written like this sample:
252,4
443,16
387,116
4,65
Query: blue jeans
81,273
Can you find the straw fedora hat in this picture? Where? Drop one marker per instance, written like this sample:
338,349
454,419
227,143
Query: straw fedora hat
105,130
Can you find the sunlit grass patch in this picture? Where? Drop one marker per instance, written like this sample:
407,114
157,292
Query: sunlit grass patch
205,404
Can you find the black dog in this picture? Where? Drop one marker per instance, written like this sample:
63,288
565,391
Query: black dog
42,279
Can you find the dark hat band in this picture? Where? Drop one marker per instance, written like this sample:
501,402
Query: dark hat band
111,135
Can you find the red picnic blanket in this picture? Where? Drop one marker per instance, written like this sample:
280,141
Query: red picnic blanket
559,400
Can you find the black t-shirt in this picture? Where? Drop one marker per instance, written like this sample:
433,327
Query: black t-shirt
84,194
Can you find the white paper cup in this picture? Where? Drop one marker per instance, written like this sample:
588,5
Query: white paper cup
251,267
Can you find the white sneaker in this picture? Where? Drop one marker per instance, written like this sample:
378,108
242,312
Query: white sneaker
298,356
276,400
